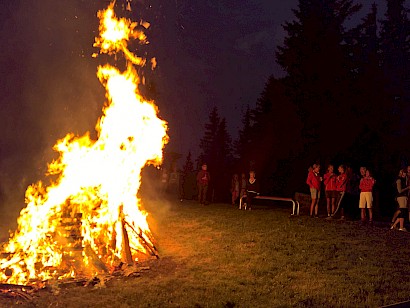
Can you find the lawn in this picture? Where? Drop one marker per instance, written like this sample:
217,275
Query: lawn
219,256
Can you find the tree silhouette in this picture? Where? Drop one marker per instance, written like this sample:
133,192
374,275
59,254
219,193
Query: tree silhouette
242,144
188,165
216,151
318,78
395,42
208,142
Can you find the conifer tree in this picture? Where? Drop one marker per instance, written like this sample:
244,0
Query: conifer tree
315,59
216,152
188,165
208,142
395,48
242,144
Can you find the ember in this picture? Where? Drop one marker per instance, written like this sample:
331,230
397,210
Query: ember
88,222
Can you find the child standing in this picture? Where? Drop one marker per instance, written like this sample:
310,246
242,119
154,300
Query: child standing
313,180
203,178
341,182
330,190
366,196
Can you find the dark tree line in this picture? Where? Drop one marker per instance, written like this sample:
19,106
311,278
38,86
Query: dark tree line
344,99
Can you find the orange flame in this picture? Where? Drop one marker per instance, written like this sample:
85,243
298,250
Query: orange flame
92,207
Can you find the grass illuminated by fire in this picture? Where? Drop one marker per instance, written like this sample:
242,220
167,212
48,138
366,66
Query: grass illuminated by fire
218,256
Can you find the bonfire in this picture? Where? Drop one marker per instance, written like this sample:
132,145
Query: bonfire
89,219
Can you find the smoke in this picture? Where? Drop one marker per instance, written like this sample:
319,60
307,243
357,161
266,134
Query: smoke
49,88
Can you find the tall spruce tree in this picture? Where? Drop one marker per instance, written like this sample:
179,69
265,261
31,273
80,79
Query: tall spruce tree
369,100
215,148
395,40
315,59
208,141
242,144
275,136
188,165
223,162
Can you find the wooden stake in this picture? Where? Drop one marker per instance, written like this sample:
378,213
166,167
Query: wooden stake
126,250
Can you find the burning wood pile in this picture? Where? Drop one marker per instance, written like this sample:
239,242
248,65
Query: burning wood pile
88,225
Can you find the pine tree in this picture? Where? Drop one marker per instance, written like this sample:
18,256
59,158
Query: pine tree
275,136
395,40
315,59
216,152
369,102
242,144
188,165
223,151
208,142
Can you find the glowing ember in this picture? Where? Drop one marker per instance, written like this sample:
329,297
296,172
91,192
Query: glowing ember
89,218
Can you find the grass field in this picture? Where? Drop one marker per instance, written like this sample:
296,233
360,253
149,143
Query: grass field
219,256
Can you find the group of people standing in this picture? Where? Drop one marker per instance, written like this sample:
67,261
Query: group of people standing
342,187
241,189
244,189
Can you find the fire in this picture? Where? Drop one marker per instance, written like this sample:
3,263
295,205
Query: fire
90,216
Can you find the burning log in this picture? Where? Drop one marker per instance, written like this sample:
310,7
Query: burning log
148,245
127,256
95,260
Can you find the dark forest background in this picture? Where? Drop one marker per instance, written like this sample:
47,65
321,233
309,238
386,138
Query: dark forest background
344,100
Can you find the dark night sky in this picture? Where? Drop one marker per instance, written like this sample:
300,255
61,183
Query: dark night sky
216,56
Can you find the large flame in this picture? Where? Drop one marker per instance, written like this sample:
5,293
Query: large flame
91,211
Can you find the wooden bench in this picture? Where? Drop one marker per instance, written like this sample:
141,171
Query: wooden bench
273,198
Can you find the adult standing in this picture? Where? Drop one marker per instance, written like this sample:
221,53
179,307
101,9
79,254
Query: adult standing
314,180
401,197
202,179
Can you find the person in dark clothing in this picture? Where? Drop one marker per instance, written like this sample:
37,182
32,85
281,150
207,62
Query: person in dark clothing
252,190
202,179
401,198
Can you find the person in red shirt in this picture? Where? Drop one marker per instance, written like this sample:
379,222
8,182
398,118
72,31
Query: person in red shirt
330,190
341,182
314,181
366,196
202,179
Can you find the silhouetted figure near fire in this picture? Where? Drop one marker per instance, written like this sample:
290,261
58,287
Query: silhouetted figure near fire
202,179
